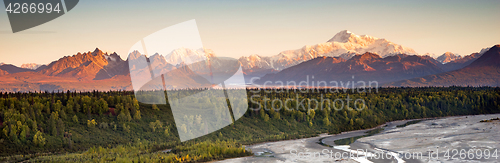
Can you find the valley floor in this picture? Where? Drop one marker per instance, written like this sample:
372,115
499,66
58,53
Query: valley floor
427,137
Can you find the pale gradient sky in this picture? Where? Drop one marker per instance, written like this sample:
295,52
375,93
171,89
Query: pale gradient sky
235,28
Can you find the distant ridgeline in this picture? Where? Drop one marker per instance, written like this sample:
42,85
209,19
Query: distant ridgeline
109,126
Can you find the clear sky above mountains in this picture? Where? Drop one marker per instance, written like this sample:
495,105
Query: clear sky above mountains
237,29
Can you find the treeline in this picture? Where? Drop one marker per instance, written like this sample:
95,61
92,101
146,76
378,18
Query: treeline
38,125
388,104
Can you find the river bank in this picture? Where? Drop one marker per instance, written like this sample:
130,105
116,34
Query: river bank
392,141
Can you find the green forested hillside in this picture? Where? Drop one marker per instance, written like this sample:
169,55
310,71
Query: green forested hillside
114,126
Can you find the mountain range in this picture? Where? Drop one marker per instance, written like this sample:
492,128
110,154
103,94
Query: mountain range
342,58
344,44
94,65
83,71
368,67
484,71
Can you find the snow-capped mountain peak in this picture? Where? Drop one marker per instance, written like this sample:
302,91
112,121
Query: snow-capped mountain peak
448,57
187,56
344,44
31,66
342,36
484,50
346,36
254,56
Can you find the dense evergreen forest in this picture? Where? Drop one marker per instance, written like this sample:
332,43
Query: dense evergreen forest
115,126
